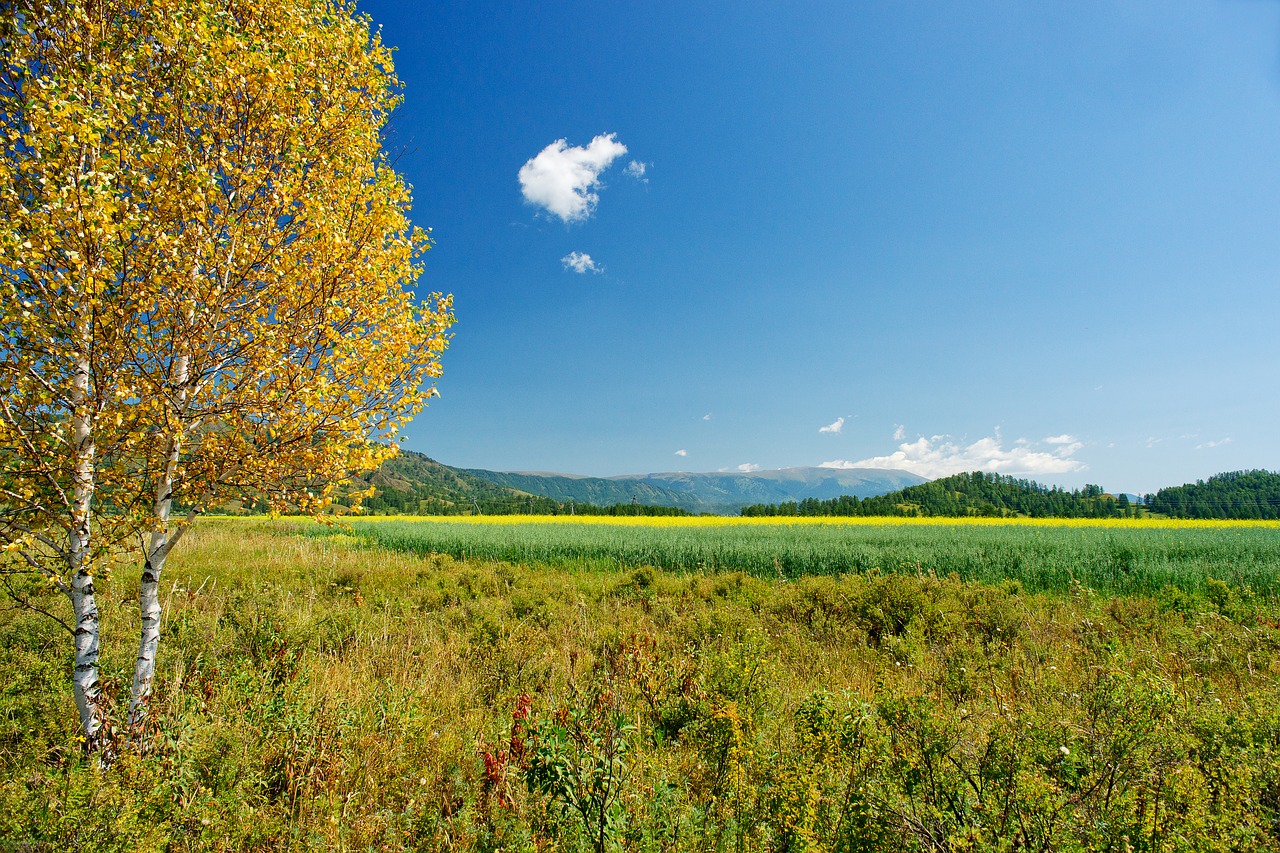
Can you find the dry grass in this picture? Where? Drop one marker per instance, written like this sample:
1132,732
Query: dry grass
320,691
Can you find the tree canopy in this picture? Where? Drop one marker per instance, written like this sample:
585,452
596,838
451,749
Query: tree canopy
971,494
1234,494
205,272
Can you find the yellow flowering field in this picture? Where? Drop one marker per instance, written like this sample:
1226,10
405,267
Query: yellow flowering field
704,521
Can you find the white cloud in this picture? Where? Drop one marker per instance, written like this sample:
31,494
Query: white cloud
834,427
682,452
940,456
707,416
1060,439
581,262
562,178
748,467
1216,443
637,170
899,432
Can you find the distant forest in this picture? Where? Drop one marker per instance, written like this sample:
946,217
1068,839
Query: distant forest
414,484
975,494
1235,494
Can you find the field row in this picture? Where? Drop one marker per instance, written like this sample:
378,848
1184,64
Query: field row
1117,557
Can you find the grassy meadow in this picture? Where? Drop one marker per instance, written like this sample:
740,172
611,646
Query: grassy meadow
700,685
1044,555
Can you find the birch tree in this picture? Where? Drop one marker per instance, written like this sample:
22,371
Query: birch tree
264,342
75,254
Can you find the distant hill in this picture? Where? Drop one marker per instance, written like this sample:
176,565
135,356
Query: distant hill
718,492
1235,494
975,494
414,484
418,485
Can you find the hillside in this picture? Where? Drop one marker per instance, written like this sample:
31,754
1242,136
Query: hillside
1235,494
416,484
717,492
589,490
960,495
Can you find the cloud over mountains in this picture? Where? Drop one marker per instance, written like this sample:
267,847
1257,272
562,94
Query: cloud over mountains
941,456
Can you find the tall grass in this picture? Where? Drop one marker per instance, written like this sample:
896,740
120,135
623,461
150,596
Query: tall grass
1127,558
325,692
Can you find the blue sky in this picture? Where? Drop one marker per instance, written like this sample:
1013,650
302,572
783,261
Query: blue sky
1039,238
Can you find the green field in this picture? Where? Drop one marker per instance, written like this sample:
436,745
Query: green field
319,689
1116,557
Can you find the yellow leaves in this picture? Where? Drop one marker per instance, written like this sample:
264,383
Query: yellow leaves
267,241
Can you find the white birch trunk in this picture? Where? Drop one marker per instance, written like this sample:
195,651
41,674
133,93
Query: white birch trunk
157,552
85,682
160,544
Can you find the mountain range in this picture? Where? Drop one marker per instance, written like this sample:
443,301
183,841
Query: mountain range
412,482
716,492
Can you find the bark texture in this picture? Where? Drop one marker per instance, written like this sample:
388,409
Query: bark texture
85,681
161,542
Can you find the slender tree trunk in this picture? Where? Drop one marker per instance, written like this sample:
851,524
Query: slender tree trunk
157,552
160,544
85,683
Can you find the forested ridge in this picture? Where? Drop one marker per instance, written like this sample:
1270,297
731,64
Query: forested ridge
414,484
971,494
1234,494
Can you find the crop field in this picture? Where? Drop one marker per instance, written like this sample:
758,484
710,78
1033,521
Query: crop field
1120,556
603,686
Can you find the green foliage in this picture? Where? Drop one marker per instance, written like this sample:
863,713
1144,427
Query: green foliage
1235,494
578,759
961,495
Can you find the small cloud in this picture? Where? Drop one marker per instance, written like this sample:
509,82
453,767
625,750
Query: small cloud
1216,443
1058,439
707,416
940,456
899,432
581,262
637,170
748,467
682,452
833,427
1153,441
562,178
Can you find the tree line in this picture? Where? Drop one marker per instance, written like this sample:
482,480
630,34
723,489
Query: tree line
960,495
1253,494
397,502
